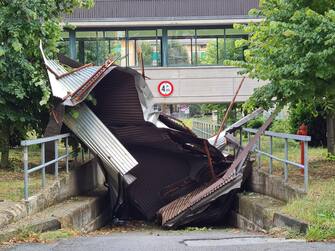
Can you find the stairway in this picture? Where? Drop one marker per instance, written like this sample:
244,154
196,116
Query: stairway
83,213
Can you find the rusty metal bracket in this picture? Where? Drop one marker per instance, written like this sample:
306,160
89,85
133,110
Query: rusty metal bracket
77,95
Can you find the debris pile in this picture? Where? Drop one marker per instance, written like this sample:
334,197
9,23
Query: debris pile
157,168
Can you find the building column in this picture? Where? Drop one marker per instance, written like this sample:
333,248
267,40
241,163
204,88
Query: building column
165,48
72,43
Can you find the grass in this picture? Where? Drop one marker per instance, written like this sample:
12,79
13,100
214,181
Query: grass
11,180
317,208
188,122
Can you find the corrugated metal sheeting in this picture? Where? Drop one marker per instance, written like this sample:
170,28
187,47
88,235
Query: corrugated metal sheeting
82,121
176,175
131,9
86,125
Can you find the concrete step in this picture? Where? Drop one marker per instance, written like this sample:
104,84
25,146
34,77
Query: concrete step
83,213
255,211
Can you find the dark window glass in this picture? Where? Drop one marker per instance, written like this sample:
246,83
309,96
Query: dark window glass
181,47
146,42
97,47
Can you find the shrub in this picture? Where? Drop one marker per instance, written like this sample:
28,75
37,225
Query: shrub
281,125
256,123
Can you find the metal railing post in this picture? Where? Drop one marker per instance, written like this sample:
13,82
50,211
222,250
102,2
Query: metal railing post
67,153
285,163
270,162
56,157
241,137
259,154
25,163
43,162
304,139
82,154
306,165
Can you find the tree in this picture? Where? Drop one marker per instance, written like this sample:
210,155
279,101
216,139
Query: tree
293,48
24,92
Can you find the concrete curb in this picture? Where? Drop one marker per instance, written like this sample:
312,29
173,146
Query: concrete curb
282,220
11,211
262,182
258,212
238,220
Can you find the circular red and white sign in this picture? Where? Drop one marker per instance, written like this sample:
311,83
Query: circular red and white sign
165,88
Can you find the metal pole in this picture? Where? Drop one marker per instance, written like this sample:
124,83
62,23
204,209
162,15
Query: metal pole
306,165
225,118
56,157
285,164
25,165
43,162
270,164
67,153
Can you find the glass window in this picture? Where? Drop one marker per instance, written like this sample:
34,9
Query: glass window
207,46
147,42
207,51
142,33
181,33
181,51
231,52
227,50
210,32
98,46
181,47
232,31
185,47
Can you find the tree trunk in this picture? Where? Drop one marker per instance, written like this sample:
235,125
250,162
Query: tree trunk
331,133
4,146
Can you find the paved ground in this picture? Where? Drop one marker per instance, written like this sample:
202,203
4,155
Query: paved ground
177,240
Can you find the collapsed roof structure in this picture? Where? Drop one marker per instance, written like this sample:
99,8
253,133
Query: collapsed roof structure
157,168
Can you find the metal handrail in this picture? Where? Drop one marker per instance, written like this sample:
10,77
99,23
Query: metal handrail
286,137
281,135
43,165
204,129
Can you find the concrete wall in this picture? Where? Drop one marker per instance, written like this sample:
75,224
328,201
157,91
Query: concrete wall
274,186
211,84
80,180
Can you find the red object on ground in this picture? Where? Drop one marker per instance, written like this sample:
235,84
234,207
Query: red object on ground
302,131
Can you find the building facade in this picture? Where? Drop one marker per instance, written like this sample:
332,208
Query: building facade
186,35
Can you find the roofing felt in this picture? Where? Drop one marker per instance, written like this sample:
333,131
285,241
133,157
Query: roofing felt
162,9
